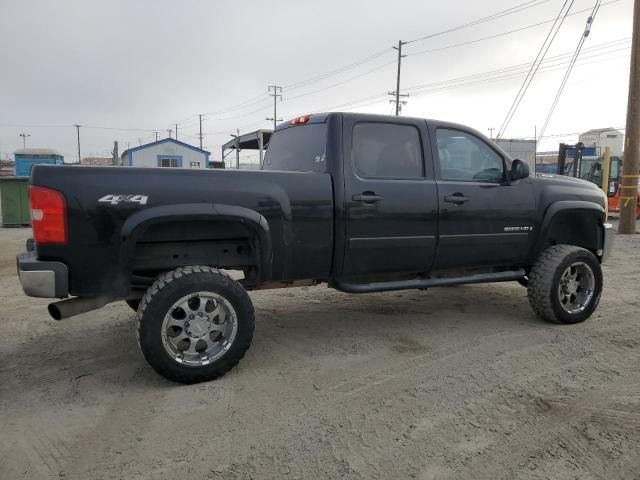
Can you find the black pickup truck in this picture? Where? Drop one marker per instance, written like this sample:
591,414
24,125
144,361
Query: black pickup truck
365,203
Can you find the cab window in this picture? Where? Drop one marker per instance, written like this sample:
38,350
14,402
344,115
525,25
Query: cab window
297,149
385,150
464,157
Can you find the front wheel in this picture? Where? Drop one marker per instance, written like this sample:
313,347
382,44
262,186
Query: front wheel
565,284
133,303
194,324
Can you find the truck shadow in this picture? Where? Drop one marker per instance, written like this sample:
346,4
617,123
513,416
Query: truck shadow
297,325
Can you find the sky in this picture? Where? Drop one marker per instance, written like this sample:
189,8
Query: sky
122,69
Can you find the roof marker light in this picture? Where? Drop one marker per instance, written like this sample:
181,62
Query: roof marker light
300,120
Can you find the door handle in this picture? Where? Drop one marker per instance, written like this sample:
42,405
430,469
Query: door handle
367,197
456,198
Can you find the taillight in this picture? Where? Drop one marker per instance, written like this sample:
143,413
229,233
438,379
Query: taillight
300,120
48,215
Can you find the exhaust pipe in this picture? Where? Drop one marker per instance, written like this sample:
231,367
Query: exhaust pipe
75,306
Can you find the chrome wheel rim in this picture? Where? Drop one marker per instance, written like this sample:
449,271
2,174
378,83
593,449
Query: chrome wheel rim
576,287
199,328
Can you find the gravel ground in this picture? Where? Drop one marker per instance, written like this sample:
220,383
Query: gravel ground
450,383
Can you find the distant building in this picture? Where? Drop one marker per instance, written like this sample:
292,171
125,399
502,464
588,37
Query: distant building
97,161
256,141
26,158
604,137
524,150
7,168
166,153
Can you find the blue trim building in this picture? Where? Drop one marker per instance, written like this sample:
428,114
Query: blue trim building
26,158
166,153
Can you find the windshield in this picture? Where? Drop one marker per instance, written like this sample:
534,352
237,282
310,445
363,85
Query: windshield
297,149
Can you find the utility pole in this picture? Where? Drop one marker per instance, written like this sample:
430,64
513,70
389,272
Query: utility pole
78,131
237,137
277,93
169,131
200,134
397,93
24,139
115,157
631,166
139,141
237,149
155,133
491,129
176,131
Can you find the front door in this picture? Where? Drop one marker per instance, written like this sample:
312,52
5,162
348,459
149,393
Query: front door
483,218
390,197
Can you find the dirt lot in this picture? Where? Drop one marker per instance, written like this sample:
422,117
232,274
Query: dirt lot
449,383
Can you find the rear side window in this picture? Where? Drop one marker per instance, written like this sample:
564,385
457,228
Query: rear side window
385,150
297,149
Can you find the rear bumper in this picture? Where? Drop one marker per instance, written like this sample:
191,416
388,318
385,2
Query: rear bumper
607,243
42,278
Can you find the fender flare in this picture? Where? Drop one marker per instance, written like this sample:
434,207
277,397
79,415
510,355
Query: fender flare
137,223
565,206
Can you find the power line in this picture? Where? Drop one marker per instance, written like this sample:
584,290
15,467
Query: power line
502,34
583,38
544,48
528,64
237,106
380,67
544,69
331,73
259,99
508,11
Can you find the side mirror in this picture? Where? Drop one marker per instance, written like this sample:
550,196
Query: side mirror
519,170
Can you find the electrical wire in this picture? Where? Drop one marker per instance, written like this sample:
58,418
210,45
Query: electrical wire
602,46
545,69
502,34
259,98
583,38
508,11
380,67
542,52
302,83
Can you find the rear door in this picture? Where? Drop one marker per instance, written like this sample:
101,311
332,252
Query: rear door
390,196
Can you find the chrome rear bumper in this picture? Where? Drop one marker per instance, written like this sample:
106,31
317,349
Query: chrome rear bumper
42,278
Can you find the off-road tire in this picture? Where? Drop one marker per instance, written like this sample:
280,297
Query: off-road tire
544,280
159,298
133,303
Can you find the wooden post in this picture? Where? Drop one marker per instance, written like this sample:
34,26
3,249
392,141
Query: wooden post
631,165
606,168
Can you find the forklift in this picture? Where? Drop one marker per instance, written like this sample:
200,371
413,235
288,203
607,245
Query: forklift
572,163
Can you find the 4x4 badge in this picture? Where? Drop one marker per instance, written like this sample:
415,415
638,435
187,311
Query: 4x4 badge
116,199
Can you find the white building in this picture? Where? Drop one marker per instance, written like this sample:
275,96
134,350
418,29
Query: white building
166,153
604,137
521,149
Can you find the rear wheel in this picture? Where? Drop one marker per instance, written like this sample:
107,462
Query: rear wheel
565,284
194,324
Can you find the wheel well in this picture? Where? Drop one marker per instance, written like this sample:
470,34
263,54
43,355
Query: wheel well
174,244
581,229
